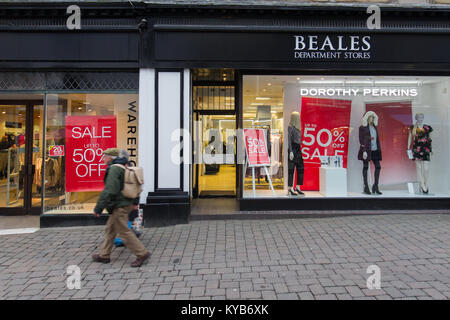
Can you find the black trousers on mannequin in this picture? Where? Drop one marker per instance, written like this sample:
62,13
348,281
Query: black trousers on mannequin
297,162
376,163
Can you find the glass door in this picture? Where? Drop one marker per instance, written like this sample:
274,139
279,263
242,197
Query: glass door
21,129
214,155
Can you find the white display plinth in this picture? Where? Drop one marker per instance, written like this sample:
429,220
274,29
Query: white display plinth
333,182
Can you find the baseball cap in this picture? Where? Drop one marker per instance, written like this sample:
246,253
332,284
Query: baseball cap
112,152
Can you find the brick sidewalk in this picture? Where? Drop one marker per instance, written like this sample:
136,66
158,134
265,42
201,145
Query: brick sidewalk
258,259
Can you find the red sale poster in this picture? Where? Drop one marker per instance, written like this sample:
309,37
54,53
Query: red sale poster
86,138
256,147
325,125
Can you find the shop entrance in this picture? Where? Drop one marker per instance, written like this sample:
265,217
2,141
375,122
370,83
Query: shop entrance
21,131
214,154
214,126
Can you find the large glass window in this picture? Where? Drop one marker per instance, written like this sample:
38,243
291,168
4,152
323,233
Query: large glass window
348,136
21,131
78,128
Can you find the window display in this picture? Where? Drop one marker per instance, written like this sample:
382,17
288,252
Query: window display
78,128
368,132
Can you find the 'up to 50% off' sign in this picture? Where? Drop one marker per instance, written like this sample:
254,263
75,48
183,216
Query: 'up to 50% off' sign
86,138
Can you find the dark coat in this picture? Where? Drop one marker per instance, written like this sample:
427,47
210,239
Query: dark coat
111,197
364,141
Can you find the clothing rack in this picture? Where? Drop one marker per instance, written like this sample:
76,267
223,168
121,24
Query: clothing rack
12,175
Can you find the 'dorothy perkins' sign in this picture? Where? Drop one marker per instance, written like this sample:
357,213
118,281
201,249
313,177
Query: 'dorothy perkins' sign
332,47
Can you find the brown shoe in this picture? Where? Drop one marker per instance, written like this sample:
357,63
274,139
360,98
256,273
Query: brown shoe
140,261
96,257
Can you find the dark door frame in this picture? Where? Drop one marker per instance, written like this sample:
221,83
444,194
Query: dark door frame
28,168
195,117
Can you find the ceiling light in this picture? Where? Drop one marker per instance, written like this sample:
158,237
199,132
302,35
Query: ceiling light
321,82
257,104
397,82
263,98
358,82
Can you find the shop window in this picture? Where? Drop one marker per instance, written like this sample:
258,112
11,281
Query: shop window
79,127
352,136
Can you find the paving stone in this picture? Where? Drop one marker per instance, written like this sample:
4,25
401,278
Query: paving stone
164,297
233,293
344,296
257,259
197,291
316,289
393,292
287,296
335,290
215,292
251,295
435,294
413,292
326,297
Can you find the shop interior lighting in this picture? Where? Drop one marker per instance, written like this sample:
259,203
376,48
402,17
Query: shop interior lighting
398,82
321,82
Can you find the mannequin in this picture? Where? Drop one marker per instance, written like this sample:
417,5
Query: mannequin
370,149
295,159
420,137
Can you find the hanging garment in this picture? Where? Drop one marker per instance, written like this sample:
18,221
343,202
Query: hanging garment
37,180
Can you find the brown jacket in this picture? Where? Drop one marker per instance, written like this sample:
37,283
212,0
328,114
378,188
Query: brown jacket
364,141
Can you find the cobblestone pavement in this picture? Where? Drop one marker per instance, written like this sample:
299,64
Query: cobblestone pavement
323,258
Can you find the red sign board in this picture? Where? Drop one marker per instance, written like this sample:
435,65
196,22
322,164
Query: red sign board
86,138
56,151
325,125
256,147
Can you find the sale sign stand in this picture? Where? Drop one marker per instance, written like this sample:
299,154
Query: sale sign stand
257,154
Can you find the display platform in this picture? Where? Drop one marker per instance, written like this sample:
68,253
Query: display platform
333,182
317,194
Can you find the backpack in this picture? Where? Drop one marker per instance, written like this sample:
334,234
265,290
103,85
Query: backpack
132,182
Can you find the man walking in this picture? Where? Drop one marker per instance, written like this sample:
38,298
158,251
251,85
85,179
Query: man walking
118,207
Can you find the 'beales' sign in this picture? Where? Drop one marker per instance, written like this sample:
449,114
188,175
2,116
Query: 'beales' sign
332,47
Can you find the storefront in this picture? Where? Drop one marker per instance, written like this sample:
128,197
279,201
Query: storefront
269,107
65,95
302,88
